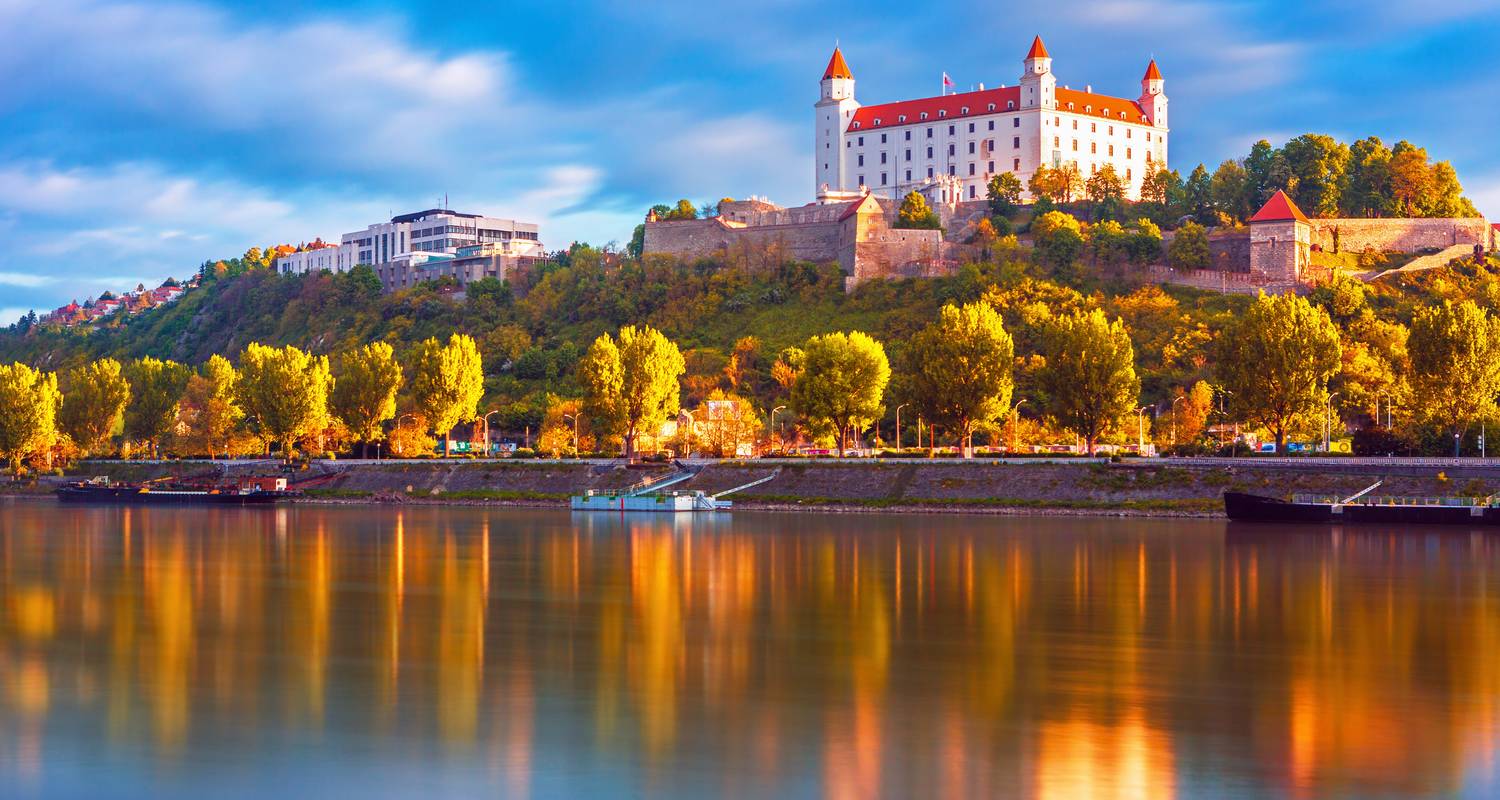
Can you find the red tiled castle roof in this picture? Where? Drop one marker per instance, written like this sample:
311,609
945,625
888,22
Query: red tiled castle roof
1071,101
1279,208
1038,50
1152,73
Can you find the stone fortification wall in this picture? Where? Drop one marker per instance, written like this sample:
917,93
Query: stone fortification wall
701,238
1216,280
893,253
1398,235
1230,252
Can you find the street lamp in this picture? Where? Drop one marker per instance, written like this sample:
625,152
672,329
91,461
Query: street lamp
1015,423
487,444
692,423
574,417
773,426
1140,430
1328,425
898,424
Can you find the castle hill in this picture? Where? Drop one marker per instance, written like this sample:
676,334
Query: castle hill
385,411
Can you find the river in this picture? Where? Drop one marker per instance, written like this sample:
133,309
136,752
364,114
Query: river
451,651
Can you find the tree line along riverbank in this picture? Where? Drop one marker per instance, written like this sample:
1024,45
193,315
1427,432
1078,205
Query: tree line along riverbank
1143,487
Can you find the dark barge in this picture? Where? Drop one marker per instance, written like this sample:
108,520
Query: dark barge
248,492
1361,508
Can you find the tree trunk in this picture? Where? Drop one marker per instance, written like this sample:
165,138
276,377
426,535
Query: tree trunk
1088,442
630,447
1281,442
446,449
842,439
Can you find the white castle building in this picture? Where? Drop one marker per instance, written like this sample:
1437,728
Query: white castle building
949,146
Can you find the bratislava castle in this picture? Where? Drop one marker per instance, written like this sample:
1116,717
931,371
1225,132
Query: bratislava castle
951,145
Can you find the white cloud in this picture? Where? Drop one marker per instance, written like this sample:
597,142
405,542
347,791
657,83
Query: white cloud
24,280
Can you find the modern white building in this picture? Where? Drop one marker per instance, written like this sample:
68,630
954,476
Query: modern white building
397,249
957,142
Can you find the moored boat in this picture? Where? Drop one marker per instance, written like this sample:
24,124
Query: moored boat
248,492
1363,507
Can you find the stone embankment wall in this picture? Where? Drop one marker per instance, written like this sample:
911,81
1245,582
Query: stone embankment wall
702,238
1399,235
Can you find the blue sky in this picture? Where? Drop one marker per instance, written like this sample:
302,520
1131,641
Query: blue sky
139,139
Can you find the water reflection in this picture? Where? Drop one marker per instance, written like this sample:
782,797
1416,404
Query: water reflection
534,653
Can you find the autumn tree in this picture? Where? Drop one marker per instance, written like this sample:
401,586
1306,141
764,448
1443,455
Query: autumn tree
1106,191
1004,194
210,412
961,369
1058,238
285,390
727,423
28,412
364,396
841,383
156,388
1088,380
95,404
1455,365
447,383
1275,361
1189,248
632,384
915,213
1189,413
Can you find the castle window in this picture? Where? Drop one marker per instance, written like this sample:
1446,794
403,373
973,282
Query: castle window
992,168
971,127
1111,130
953,170
908,135
882,138
908,175
929,152
971,148
882,156
1057,122
1127,152
1093,148
964,110
861,180
901,118
942,112
1127,133
1075,145
1093,128
1148,136
856,126
1089,109
992,122
929,173
1057,141
1111,149
951,130
1127,174
971,168
1075,124
861,141
1016,164
861,160
877,122
882,179
1070,106
1106,112
929,130
952,149
924,115
1009,104
992,107
908,155
1015,142
848,145
971,192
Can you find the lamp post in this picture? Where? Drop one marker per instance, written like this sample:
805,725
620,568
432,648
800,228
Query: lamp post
487,443
773,426
1328,425
898,424
574,417
1140,430
1015,422
692,423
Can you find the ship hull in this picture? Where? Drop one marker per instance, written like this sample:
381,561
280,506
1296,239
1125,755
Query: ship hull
1243,507
131,495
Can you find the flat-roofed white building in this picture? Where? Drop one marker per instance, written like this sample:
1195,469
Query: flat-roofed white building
394,248
957,142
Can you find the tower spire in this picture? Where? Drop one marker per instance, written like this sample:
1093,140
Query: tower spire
837,68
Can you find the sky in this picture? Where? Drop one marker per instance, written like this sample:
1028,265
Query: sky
138,140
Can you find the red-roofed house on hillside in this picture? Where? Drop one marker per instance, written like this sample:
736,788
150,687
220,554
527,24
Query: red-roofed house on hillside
958,141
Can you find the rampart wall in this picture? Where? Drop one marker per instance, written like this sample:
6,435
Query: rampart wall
1398,235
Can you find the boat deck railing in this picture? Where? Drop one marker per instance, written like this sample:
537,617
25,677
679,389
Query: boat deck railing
1455,502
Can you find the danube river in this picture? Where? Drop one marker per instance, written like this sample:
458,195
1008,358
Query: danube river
396,652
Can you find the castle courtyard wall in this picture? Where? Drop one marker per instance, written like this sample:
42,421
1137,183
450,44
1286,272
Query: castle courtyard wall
1405,235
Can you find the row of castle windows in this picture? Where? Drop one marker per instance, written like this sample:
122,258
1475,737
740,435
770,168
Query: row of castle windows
989,146
1015,167
1010,105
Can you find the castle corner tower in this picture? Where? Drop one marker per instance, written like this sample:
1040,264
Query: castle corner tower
1153,96
834,111
1038,84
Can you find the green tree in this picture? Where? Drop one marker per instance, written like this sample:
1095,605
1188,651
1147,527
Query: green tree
915,213
1189,248
632,384
1109,242
210,412
1106,191
1229,189
1200,194
1058,238
1454,350
364,396
683,210
1145,242
637,244
447,383
841,383
28,412
95,404
1275,360
286,391
1004,193
1088,380
1366,190
961,369
1317,164
156,388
